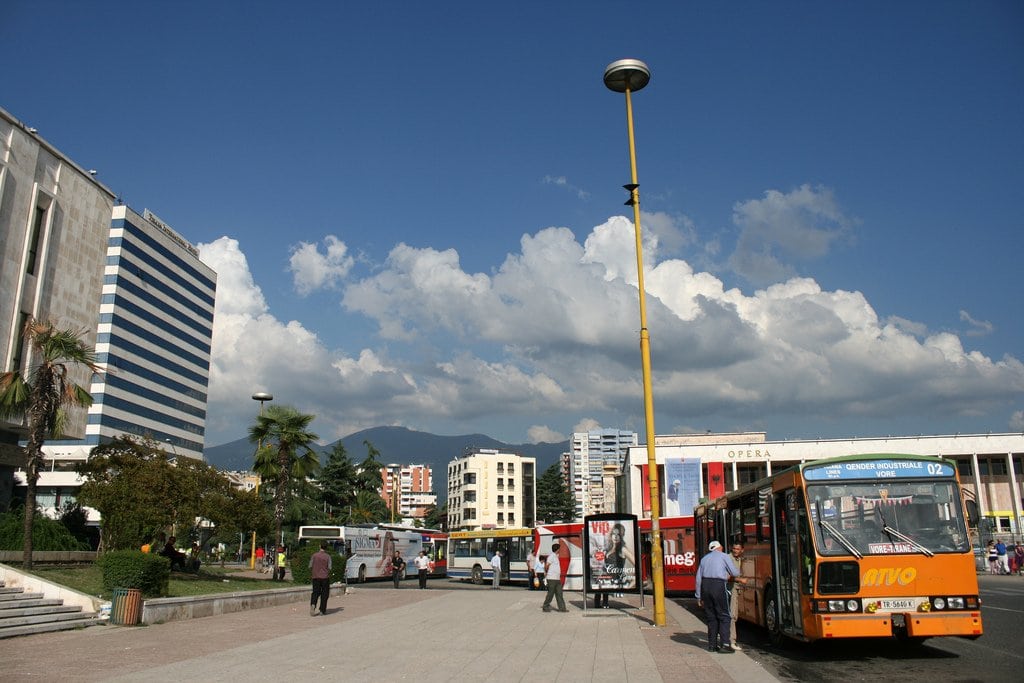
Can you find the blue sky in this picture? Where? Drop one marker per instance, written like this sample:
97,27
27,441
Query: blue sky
416,213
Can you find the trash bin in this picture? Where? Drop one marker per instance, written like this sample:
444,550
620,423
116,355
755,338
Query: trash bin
126,606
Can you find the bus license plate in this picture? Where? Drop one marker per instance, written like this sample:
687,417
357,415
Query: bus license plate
898,604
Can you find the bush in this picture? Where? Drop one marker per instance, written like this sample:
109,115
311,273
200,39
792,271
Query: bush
135,569
300,565
47,534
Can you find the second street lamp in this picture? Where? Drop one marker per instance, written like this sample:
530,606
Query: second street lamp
627,76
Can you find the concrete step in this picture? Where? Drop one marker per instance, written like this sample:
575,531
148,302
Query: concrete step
20,594
29,629
35,600
14,622
33,611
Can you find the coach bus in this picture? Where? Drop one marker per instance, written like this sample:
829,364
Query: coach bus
367,549
470,553
855,546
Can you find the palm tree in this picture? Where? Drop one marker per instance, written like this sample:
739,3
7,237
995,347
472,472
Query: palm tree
41,397
368,506
285,453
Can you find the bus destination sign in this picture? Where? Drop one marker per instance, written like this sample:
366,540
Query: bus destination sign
877,469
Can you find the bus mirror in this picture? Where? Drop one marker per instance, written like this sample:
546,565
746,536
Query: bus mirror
972,512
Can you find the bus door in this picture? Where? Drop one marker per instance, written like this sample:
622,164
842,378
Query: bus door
786,561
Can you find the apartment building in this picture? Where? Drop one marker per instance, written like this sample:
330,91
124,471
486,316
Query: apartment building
592,457
488,489
408,490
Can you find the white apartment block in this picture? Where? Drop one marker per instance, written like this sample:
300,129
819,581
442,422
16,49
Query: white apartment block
587,465
488,489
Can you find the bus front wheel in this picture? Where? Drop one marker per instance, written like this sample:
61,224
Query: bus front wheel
478,575
771,616
362,573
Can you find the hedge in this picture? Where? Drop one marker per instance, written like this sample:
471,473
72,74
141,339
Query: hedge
148,572
300,565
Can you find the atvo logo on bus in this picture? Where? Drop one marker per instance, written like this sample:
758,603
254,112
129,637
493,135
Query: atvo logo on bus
888,576
681,560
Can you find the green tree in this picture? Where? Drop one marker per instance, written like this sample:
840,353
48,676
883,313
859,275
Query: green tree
554,501
41,398
337,482
435,517
368,476
286,453
368,507
138,489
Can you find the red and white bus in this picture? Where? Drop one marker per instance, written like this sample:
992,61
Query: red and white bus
679,560
436,545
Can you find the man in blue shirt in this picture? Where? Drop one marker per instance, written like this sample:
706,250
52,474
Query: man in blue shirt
712,577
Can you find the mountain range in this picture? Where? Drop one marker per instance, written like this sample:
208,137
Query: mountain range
398,445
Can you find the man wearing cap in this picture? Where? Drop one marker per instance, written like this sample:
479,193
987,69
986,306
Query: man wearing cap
712,577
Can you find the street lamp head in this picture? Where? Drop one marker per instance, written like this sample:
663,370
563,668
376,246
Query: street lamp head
626,74
262,396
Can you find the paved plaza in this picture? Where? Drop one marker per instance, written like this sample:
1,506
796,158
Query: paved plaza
449,632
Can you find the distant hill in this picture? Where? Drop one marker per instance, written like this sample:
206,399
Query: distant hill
398,445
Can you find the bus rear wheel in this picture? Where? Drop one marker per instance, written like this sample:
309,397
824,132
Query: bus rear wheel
362,573
771,616
477,575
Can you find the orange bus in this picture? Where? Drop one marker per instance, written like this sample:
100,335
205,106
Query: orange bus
863,545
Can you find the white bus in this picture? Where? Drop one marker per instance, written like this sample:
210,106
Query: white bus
368,550
470,553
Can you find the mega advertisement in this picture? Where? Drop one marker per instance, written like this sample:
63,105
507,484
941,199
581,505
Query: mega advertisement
611,542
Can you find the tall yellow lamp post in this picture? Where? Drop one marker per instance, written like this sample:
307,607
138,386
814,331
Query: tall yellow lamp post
628,76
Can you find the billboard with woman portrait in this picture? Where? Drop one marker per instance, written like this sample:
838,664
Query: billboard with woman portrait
612,548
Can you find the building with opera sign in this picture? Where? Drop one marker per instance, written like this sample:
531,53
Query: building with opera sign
694,466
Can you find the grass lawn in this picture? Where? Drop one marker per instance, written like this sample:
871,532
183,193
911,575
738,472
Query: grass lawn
88,579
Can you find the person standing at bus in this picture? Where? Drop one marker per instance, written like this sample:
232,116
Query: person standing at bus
320,570
531,561
553,576
496,568
397,568
422,563
712,575
734,599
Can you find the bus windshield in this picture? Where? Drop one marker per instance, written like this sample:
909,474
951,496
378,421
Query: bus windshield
886,518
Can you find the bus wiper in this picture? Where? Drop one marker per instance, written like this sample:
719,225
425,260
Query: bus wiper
835,533
842,539
903,537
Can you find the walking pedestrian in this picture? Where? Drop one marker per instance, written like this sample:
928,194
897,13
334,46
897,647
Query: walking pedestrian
320,570
422,563
397,568
259,559
496,570
553,576
714,571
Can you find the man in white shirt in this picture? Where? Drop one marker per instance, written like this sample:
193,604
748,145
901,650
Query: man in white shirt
553,576
422,563
496,566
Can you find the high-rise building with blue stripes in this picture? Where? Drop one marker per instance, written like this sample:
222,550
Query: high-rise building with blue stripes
154,335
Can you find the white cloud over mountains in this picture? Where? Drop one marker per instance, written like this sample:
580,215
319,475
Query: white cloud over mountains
549,338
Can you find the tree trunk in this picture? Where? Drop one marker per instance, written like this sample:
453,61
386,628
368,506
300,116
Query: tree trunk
31,477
